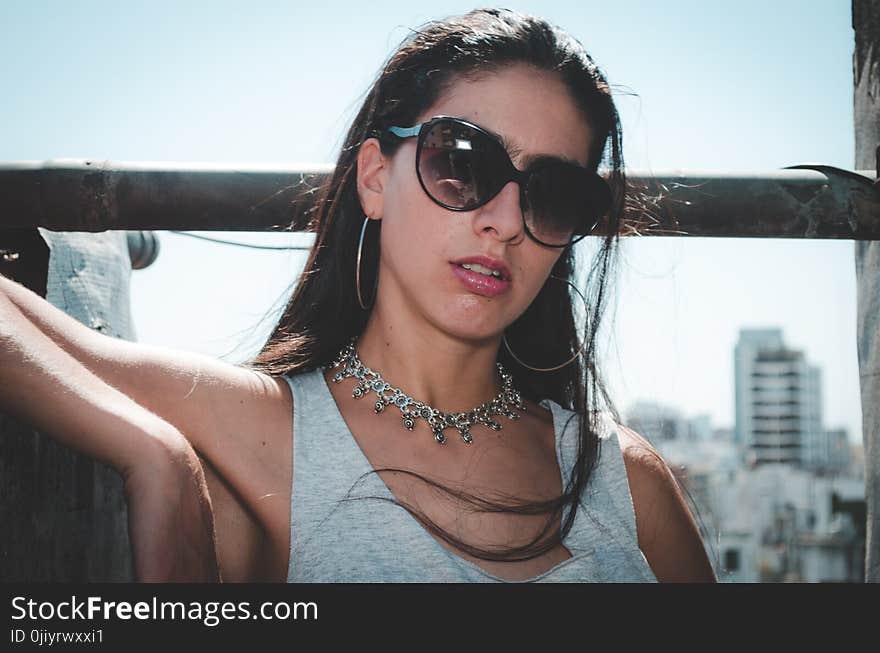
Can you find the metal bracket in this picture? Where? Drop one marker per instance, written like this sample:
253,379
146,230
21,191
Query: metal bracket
855,191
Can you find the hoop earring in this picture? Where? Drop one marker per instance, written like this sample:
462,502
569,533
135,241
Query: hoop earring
579,351
357,276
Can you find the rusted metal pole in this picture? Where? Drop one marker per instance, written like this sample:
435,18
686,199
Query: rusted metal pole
866,104
84,195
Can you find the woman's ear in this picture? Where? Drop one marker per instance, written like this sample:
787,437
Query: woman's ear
372,171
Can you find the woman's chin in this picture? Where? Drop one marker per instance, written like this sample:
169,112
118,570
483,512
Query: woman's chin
473,319
474,332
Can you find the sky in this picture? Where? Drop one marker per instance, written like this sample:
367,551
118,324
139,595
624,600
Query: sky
745,86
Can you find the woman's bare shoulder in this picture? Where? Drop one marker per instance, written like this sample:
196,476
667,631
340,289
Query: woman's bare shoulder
667,532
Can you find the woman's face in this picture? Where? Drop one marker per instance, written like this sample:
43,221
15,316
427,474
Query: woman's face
421,241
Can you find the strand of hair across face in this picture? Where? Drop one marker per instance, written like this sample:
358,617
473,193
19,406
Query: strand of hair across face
230,242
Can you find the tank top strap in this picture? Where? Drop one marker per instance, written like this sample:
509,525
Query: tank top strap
606,507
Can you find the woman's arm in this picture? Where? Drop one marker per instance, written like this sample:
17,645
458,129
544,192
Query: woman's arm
667,533
42,385
183,388
169,511
226,412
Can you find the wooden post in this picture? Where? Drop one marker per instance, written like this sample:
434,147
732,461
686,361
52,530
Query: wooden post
63,513
866,103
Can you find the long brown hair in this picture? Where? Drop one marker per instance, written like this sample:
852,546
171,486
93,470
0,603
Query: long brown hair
323,313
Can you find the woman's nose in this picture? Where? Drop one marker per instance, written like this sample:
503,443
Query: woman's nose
502,214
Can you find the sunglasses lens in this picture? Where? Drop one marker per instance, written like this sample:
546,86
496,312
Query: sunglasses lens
562,203
459,166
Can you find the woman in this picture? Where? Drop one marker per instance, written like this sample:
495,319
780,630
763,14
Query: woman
429,356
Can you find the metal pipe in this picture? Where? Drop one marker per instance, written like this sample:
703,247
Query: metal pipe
86,195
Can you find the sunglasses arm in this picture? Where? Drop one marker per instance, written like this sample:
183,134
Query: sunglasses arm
405,132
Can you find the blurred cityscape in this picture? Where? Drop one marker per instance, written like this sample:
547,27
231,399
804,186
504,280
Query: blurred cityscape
779,497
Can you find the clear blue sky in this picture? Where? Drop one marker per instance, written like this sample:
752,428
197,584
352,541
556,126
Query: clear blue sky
700,85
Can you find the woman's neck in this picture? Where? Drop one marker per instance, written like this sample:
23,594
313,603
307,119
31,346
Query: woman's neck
448,373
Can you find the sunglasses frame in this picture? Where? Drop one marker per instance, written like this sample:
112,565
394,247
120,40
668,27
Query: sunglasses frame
512,173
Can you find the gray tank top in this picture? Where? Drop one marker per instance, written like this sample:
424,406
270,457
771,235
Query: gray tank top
368,540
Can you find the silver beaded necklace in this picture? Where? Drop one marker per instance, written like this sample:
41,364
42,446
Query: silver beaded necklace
387,395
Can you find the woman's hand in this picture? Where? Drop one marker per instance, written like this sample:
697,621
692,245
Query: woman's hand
170,518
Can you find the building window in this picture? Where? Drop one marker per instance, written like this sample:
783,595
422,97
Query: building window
731,559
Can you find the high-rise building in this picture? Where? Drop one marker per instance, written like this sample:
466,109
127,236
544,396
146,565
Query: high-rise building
751,341
778,402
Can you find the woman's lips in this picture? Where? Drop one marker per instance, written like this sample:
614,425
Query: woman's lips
480,284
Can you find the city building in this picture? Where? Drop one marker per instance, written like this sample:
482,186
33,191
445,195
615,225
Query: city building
778,498
750,342
778,402
839,452
656,422
768,522
659,423
778,523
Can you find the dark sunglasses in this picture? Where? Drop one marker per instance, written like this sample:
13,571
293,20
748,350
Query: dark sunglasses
461,167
